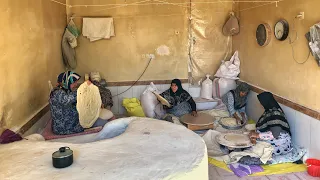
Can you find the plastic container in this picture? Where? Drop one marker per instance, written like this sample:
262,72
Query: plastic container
313,167
205,104
206,89
222,85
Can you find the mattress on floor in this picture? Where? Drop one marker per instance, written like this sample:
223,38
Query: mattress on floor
49,135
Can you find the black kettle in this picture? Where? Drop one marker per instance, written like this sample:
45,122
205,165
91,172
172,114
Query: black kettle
62,158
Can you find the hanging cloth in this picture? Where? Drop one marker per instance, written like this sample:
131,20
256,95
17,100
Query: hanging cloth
68,53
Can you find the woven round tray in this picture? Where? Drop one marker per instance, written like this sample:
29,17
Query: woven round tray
230,127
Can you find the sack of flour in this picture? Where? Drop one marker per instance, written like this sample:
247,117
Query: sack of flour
149,101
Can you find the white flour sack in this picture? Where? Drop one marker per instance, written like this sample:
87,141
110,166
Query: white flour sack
149,101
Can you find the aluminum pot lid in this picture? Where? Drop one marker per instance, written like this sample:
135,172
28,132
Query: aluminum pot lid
62,153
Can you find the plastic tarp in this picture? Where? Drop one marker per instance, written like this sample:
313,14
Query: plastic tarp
208,45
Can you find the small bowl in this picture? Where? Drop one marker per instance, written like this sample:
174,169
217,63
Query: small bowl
250,127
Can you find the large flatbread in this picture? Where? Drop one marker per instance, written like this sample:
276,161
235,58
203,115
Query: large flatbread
162,100
88,104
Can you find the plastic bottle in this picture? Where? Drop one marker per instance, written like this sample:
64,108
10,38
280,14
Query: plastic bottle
206,88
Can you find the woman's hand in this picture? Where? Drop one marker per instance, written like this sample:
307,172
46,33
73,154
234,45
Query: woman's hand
238,120
253,135
89,82
243,115
194,113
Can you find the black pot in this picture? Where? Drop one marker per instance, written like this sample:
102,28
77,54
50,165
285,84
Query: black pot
62,158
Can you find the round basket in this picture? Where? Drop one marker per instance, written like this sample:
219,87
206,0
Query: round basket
230,127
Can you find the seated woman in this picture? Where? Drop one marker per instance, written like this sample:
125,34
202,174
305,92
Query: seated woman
273,126
105,94
63,99
180,100
236,100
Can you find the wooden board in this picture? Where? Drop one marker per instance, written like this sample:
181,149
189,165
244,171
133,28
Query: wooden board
199,127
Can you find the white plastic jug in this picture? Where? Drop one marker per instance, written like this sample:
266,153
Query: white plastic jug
222,85
206,89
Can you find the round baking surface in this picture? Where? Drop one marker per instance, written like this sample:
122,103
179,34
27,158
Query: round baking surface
201,119
263,34
234,140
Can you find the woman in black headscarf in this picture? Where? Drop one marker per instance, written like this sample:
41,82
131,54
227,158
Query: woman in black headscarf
180,100
236,100
273,126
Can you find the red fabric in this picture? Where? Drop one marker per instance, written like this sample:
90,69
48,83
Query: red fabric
9,136
49,135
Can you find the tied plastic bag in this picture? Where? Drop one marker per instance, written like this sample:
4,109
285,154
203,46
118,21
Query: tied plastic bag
314,43
149,101
133,107
230,69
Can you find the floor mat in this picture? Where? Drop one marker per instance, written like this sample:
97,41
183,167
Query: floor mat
49,135
268,169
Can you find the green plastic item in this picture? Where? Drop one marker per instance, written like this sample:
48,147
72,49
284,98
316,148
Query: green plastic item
73,28
251,121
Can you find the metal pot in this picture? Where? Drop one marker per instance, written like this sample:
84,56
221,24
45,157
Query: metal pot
62,158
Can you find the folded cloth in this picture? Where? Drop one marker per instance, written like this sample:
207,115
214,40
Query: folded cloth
247,160
244,170
9,136
213,147
68,52
261,150
98,28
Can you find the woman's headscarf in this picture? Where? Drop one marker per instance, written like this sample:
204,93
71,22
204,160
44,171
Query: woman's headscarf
68,78
267,101
241,101
179,96
273,115
179,85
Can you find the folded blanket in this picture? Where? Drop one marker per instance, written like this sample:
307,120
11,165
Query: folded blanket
261,150
293,156
9,136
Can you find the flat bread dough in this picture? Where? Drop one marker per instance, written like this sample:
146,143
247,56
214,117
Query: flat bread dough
88,104
234,140
229,122
162,100
201,119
